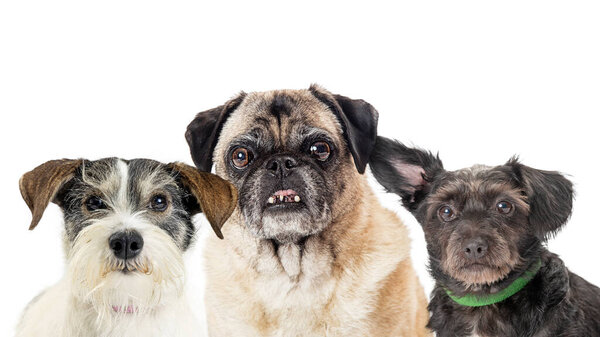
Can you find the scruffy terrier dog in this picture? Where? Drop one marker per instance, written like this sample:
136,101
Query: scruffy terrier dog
127,225
485,229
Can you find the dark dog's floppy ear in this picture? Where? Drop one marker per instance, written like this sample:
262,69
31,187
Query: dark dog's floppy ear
203,132
215,196
41,185
549,195
359,123
405,171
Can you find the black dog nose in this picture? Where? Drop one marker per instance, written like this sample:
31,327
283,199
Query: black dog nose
126,245
475,249
281,165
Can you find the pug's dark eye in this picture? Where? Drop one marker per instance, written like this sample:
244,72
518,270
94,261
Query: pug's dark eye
504,207
446,213
241,157
159,203
320,150
94,203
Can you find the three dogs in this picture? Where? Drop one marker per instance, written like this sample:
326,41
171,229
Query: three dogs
302,246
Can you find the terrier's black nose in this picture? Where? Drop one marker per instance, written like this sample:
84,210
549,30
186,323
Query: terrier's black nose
126,245
475,249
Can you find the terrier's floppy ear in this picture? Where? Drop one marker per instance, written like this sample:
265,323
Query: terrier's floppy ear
203,132
41,185
359,123
549,195
405,171
216,197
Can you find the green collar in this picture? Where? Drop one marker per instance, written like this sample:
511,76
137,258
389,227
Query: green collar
513,288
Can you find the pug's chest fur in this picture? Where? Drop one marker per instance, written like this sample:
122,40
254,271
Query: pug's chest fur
298,291
301,291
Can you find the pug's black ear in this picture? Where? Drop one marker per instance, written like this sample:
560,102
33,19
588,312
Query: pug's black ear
549,195
405,171
203,132
359,123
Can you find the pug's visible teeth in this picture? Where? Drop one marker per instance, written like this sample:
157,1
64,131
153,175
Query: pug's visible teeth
271,200
297,199
281,197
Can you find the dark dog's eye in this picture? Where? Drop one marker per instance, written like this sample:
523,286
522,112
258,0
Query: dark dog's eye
94,203
446,213
320,150
241,157
159,203
504,207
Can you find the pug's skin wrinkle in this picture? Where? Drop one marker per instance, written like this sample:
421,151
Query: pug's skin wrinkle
338,266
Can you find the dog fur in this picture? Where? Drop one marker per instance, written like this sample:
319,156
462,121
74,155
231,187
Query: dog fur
485,227
339,263
100,294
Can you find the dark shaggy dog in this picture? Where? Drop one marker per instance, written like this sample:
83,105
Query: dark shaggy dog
485,229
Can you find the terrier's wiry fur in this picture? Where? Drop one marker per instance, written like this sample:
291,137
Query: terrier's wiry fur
485,227
327,259
105,203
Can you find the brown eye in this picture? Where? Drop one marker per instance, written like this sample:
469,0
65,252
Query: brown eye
504,207
241,157
320,150
94,203
446,213
159,203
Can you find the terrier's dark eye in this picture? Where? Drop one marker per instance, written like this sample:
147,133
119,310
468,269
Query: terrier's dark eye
446,213
320,150
159,203
241,157
504,207
94,203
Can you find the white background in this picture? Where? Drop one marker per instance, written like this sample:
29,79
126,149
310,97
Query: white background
477,81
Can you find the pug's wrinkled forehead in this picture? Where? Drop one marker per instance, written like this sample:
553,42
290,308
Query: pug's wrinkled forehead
350,123
279,121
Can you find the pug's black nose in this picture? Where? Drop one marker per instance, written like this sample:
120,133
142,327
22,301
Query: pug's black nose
126,245
281,166
475,249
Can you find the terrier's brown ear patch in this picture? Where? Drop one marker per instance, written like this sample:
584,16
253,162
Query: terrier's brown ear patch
40,185
217,197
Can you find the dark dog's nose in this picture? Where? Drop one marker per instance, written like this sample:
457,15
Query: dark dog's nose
475,249
281,165
126,245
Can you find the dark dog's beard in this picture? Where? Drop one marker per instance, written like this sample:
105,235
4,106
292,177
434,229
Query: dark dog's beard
288,209
500,260
464,282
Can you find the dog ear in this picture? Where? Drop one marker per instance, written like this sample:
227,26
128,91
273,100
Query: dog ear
214,196
549,195
41,185
203,132
359,123
405,171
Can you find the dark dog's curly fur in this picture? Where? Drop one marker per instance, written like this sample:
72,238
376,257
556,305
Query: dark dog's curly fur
484,227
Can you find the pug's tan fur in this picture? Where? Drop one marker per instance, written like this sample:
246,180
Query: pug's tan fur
353,278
